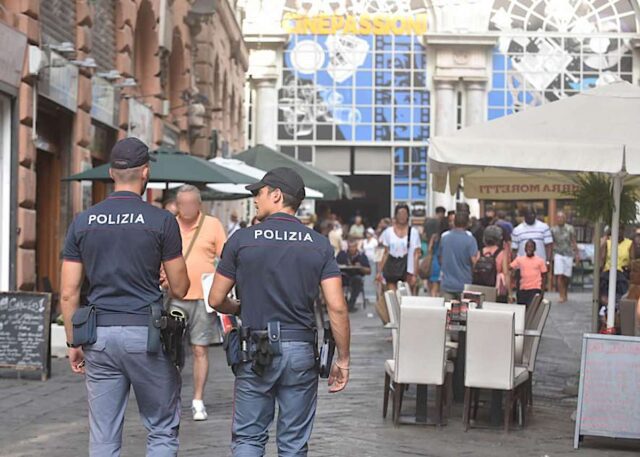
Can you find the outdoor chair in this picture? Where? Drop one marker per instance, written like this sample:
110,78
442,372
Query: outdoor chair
489,292
532,311
419,357
437,302
403,289
393,308
520,314
532,338
490,362
628,317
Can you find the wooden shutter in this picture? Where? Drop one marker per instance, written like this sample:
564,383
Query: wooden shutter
104,36
58,21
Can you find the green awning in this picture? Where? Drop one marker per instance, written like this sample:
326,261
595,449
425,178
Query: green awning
260,156
174,167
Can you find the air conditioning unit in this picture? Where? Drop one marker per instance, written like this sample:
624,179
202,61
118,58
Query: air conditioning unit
165,26
225,152
213,147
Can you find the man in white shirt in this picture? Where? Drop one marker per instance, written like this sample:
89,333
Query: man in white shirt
234,223
532,229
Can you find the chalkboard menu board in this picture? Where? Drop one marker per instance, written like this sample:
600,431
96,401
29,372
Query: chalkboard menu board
608,400
24,331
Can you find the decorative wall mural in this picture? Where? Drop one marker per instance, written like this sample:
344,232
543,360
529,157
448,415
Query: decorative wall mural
359,88
555,48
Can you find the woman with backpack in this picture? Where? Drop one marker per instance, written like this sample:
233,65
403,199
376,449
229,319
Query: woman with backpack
492,268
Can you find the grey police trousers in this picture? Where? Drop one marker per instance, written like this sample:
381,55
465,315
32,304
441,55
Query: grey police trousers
117,361
292,381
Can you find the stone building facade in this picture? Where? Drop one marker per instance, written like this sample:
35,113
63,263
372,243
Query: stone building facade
170,72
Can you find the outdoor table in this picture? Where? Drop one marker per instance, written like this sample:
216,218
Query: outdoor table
456,324
350,268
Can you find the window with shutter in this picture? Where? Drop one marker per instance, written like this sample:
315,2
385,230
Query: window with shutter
58,21
104,36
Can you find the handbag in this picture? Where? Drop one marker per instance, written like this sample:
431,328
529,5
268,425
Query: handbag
381,309
395,268
424,268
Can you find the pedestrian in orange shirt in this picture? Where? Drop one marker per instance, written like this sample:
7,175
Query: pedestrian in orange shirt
202,240
533,270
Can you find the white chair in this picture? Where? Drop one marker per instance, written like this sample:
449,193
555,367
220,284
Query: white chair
438,302
490,293
419,357
532,338
403,289
520,313
393,308
490,361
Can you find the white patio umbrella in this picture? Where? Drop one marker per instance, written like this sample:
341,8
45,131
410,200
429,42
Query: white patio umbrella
595,131
241,167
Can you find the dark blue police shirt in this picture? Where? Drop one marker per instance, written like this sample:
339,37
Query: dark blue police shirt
278,265
121,243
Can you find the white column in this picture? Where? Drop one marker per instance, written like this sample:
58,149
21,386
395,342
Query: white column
445,122
475,107
474,113
266,112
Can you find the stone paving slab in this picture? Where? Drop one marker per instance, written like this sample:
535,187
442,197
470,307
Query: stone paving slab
50,418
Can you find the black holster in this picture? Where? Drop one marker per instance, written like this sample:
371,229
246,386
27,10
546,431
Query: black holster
168,330
262,352
326,351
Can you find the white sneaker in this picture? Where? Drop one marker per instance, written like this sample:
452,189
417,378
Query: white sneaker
199,411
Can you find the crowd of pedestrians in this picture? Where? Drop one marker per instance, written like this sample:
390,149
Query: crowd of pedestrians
451,249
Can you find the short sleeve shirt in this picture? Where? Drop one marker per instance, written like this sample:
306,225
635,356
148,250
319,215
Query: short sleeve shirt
456,250
206,249
562,236
343,258
277,266
398,246
121,243
531,270
539,232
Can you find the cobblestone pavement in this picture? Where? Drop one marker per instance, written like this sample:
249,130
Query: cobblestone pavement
50,418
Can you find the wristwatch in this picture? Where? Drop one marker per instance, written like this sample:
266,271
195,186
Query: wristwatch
71,345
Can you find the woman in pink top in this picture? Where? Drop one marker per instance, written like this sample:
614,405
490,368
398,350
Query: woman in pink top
532,272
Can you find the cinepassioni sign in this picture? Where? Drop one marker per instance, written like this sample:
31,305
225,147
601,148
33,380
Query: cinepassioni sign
380,24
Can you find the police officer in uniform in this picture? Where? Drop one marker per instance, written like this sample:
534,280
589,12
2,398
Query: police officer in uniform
277,266
120,245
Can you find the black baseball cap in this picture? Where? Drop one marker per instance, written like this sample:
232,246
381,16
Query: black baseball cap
283,178
130,153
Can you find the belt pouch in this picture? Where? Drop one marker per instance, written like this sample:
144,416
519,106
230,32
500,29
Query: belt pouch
273,330
84,326
231,345
153,332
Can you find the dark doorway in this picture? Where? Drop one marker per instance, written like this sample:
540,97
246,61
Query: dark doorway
49,173
371,199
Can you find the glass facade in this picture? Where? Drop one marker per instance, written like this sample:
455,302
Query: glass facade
550,50
359,89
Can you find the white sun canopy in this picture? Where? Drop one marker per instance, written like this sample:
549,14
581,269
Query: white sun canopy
595,131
